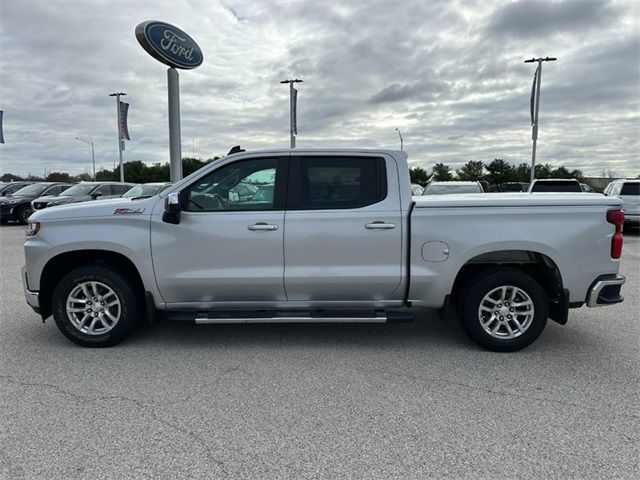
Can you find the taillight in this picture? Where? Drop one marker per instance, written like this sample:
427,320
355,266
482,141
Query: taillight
616,217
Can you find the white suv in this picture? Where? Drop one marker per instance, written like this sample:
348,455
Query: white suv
629,192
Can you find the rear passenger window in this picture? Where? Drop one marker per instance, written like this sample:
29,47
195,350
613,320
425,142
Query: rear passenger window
337,182
630,189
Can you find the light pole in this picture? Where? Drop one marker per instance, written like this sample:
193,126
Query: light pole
93,155
293,103
118,95
401,140
535,101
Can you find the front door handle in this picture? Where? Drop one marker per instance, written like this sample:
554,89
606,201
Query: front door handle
380,226
262,227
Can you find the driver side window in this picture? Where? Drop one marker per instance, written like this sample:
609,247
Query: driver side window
242,185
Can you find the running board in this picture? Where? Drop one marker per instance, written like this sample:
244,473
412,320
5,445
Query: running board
323,316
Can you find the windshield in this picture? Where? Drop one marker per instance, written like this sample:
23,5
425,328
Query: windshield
140,191
32,190
78,190
435,189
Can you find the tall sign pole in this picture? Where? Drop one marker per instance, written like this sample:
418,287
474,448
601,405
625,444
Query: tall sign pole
118,113
535,108
173,47
293,106
175,142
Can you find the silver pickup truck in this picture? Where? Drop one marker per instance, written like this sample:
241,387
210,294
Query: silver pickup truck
322,236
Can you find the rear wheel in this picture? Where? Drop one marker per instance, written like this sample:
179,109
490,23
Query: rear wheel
503,309
95,306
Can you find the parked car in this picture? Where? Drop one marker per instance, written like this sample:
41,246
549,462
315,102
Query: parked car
514,187
555,185
17,207
145,190
355,247
82,192
416,189
628,191
9,188
445,188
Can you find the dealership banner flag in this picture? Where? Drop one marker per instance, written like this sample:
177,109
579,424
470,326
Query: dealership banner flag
1,135
533,95
295,111
124,129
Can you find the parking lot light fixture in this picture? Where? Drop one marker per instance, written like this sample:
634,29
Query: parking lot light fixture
93,155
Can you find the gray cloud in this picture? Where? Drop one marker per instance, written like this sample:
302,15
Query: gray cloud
528,18
449,75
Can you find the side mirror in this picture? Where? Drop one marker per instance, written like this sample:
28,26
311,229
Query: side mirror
95,195
172,209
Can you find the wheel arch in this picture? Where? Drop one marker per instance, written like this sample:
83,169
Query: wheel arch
62,263
540,266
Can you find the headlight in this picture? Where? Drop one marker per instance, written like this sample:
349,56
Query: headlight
32,230
11,202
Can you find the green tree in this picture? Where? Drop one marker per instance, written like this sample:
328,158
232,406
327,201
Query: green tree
59,177
500,172
471,171
442,172
419,175
544,170
82,177
560,172
577,174
522,173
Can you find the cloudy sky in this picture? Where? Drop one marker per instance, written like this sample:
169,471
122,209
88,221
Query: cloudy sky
449,74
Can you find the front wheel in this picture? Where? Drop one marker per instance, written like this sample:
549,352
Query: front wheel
23,215
95,305
503,309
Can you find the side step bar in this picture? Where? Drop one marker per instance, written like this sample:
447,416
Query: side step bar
323,316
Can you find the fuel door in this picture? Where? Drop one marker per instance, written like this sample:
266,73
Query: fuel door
435,251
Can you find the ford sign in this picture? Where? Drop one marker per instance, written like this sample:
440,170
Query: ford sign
169,44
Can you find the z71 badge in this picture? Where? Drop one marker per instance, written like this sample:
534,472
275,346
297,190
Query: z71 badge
128,211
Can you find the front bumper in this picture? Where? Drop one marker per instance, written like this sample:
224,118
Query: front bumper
30,295
605,290
7,212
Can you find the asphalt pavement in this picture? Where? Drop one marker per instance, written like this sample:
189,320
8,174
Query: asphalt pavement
331,401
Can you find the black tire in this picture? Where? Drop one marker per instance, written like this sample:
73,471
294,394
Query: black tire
471,297
123,287
23,215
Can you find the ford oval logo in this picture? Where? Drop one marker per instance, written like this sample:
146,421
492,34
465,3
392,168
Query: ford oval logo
169,44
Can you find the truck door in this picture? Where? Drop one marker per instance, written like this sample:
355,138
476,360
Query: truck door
343,234
228,246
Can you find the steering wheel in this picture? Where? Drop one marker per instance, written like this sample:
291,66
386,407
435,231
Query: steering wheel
221,202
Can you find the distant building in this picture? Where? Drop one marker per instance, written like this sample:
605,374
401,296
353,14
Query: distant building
599,183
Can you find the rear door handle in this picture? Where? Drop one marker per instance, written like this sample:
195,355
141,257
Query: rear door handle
380,226
262,227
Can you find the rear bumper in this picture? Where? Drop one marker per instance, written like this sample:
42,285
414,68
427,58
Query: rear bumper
605,290
30,295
